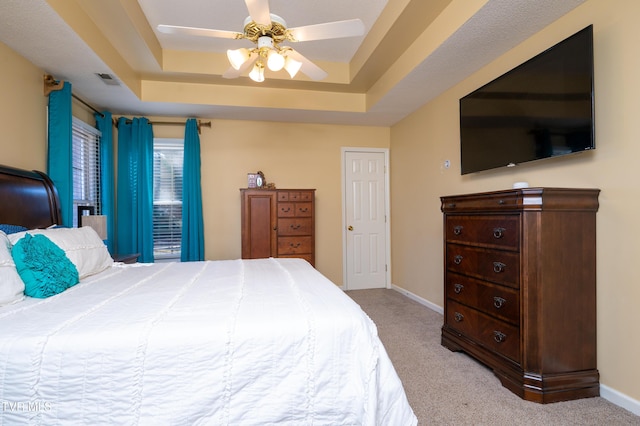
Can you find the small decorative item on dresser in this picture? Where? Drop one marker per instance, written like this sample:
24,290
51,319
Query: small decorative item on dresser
251,180
260,180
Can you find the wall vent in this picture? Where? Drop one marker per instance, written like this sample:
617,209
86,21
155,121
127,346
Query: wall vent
108,79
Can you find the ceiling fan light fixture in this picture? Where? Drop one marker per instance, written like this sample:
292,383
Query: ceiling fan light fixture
265,42
257,73
238,57
268,31
275,61
292,66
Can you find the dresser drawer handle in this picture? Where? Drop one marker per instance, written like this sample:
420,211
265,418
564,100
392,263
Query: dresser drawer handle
501,202
303,210
498,232
458,317
498,267
499,302
296,226
287,210
457,230
498,336
457,288
457,259
294,245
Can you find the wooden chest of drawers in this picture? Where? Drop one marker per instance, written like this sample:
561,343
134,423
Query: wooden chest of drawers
278,223
520,288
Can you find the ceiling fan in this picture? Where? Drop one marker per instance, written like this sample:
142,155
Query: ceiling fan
268,31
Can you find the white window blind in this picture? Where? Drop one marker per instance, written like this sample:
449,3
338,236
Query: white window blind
167,197
86,167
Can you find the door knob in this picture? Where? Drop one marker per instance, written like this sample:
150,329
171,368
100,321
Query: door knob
350,228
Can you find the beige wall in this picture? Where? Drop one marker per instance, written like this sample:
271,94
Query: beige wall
421,143
23,112
291,156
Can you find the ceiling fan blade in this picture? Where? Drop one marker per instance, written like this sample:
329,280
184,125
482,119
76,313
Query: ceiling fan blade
337,29
235,73
312,71
259,11
201,32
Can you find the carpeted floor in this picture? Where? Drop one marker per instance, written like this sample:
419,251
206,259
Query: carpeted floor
448,388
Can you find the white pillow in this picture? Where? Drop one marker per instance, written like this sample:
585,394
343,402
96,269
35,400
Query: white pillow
11,285
83,247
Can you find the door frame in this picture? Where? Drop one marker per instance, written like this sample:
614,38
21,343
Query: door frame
387,211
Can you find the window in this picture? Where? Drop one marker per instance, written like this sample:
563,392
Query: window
86,167
167,198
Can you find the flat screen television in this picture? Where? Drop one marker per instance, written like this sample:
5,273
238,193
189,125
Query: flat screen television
543,108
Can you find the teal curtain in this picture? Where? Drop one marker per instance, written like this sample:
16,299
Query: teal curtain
192,245
60,150
134,233
105,125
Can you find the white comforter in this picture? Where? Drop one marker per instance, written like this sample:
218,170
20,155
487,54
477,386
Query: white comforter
250,342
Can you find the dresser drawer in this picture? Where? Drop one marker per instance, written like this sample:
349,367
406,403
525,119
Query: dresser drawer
501,201
502,231
492,333
286,209
499,337
496,300
497,266
295,226
294,245
303,209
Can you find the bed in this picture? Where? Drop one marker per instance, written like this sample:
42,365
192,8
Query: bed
234,342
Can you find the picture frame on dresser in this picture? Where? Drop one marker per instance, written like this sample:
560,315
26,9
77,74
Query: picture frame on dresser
251,180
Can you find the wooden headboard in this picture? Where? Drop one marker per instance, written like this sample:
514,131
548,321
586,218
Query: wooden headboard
28,198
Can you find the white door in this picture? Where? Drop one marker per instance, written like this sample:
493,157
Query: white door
365,219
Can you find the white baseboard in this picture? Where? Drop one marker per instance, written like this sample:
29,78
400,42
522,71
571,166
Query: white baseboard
419,299
611,395
620,399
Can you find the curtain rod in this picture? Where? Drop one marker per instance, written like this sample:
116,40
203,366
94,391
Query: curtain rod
171,123
87,105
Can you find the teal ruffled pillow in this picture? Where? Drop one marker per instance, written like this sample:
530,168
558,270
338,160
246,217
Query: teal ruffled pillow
43,266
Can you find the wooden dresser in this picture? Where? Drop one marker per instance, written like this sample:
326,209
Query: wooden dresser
278,223
520,288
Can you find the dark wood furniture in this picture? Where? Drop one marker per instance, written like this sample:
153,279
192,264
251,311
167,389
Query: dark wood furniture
520,288
278,223
28,198
126,258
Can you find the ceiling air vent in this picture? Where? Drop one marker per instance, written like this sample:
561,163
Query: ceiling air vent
108,79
